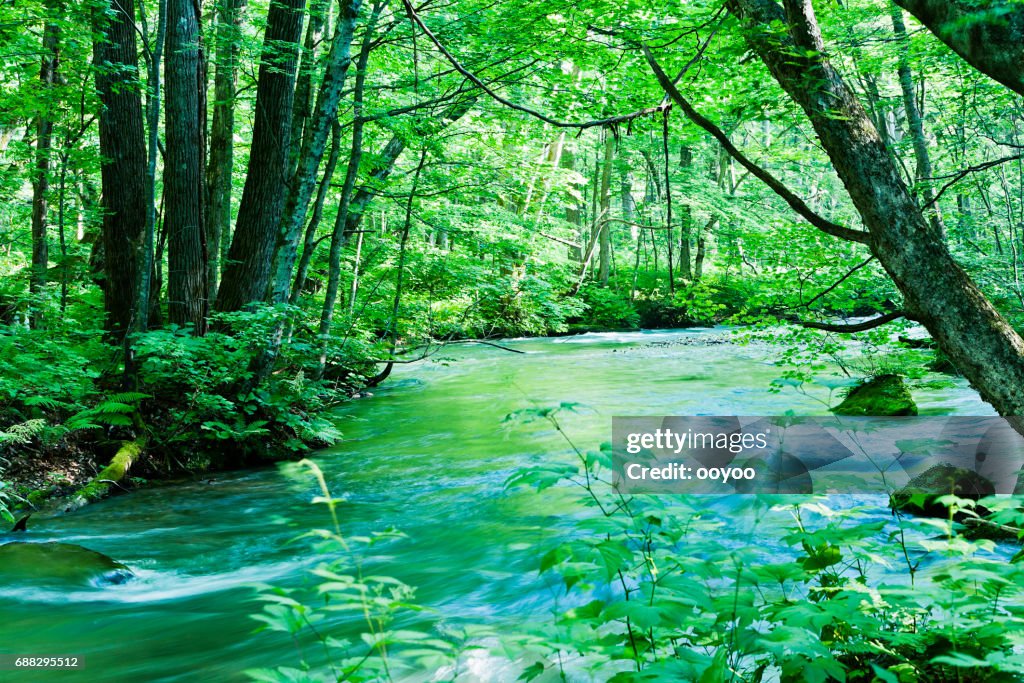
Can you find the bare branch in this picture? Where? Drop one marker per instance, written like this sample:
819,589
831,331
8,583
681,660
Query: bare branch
967,171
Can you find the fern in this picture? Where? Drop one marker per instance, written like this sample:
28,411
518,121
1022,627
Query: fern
128,397
20,434
109,406
47,402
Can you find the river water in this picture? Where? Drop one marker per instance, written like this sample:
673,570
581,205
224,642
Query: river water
427,454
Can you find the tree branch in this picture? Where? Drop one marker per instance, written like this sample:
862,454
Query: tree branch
761,174
611,121
958,176
857,327
838,282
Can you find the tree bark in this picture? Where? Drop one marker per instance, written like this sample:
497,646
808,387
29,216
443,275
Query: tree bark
988,35
936,290
183,169
147,304
351,172
314,142
123,171
41,174
248,268
222,146
310,241
302,108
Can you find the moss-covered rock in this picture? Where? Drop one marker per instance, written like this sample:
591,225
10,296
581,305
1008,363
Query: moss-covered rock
58,564
881,396
920,496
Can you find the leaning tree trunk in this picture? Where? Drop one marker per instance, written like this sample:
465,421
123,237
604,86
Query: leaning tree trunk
183,169
988,35
247,271
123,171
302,107
303,181
351,172
936,290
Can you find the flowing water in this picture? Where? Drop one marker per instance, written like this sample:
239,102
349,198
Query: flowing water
427,454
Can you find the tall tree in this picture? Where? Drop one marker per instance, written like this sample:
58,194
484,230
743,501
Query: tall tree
248,268
314,142
915,122
355,156
123,148
41,177
302,107
222,143
183,168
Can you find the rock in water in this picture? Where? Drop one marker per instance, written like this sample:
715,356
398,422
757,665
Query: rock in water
58,564
885,395
920,495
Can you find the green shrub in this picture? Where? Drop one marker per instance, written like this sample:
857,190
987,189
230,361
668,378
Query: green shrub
607,308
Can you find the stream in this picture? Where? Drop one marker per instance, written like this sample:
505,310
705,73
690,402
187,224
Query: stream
427,454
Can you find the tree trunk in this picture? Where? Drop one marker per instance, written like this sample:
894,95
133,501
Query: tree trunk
147,304
915,123
248,267
572,208
302,108
41,175
604,240
351,172
937,292
314,143
310,241
123,148
222,146
988,35
183,169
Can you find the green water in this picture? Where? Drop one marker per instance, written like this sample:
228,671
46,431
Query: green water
426,454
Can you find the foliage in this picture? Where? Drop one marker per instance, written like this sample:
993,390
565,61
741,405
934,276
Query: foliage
606,308
649,593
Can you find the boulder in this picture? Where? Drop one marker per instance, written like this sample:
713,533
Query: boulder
885,395
59,564
920,496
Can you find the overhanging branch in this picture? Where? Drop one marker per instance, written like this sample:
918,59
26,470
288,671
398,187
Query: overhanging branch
857,327
761,174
